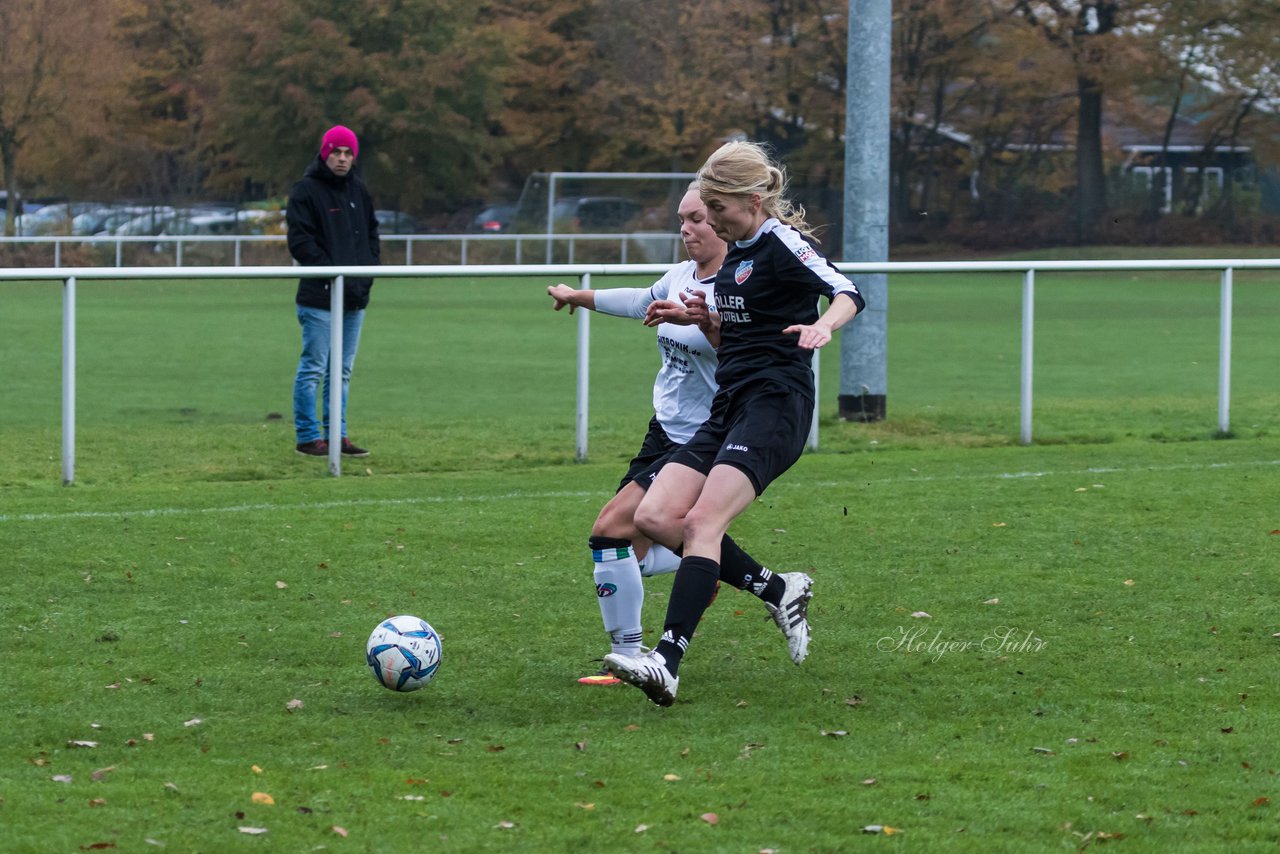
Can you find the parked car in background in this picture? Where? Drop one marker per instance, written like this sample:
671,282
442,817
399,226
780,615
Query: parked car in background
206,224
151,221
494,219
595,214
105,219
225,223
56,218
396,222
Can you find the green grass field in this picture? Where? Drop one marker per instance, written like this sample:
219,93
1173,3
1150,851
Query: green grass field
183,628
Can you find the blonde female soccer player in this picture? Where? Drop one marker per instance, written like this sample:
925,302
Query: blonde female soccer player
766,295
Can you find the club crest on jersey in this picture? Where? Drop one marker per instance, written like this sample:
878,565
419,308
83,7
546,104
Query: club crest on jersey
744,271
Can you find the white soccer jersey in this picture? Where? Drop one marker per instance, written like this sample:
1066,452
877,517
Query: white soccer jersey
686,382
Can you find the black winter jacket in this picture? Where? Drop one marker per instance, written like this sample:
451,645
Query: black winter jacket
331,222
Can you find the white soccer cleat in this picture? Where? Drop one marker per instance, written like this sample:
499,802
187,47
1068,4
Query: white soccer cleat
647,672
792,615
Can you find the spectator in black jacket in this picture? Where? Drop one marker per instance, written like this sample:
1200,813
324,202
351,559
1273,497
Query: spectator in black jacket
331,223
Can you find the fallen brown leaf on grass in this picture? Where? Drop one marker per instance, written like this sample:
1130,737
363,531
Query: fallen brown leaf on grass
710,818
341,831
263,798
101,772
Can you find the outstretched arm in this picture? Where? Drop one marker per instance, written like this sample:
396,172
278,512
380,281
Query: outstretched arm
818,334
575,299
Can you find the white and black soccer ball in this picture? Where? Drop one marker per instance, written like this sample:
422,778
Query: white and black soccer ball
403,653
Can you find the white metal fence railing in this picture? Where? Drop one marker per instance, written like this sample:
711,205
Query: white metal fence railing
584,272
637,247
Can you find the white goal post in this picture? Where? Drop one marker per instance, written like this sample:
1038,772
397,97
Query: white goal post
554,177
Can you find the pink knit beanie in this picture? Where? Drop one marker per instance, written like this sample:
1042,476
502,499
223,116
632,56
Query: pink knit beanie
336,136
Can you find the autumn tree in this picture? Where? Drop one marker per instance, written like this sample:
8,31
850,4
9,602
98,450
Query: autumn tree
935,65
159,141
1220,63
52,68
1096,36
415,79
543,120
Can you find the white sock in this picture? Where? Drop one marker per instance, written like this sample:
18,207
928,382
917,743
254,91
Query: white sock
659,561
621,596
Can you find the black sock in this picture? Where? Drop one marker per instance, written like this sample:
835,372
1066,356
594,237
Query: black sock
691,593
741,570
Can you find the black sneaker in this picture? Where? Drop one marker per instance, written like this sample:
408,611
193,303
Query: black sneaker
351,449
314,448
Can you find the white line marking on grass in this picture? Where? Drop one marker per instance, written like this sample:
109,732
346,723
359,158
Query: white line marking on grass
250,508
515,496
1026,475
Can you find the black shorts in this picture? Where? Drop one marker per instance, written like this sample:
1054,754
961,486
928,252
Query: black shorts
760,429
655,449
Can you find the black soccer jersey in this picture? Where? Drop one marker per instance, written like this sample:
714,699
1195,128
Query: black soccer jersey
766,284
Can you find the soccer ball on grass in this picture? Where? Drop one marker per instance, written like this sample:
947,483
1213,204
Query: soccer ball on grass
403,653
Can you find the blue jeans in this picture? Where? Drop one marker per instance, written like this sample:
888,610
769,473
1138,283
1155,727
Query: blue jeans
313,367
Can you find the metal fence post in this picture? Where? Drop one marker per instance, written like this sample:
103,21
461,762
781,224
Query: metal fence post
1028,335
69,381
336,291
1224,354
584,372
813,425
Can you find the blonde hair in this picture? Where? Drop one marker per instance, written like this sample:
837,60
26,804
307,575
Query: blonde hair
744,168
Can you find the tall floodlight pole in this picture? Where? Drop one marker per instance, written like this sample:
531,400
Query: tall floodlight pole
866,205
